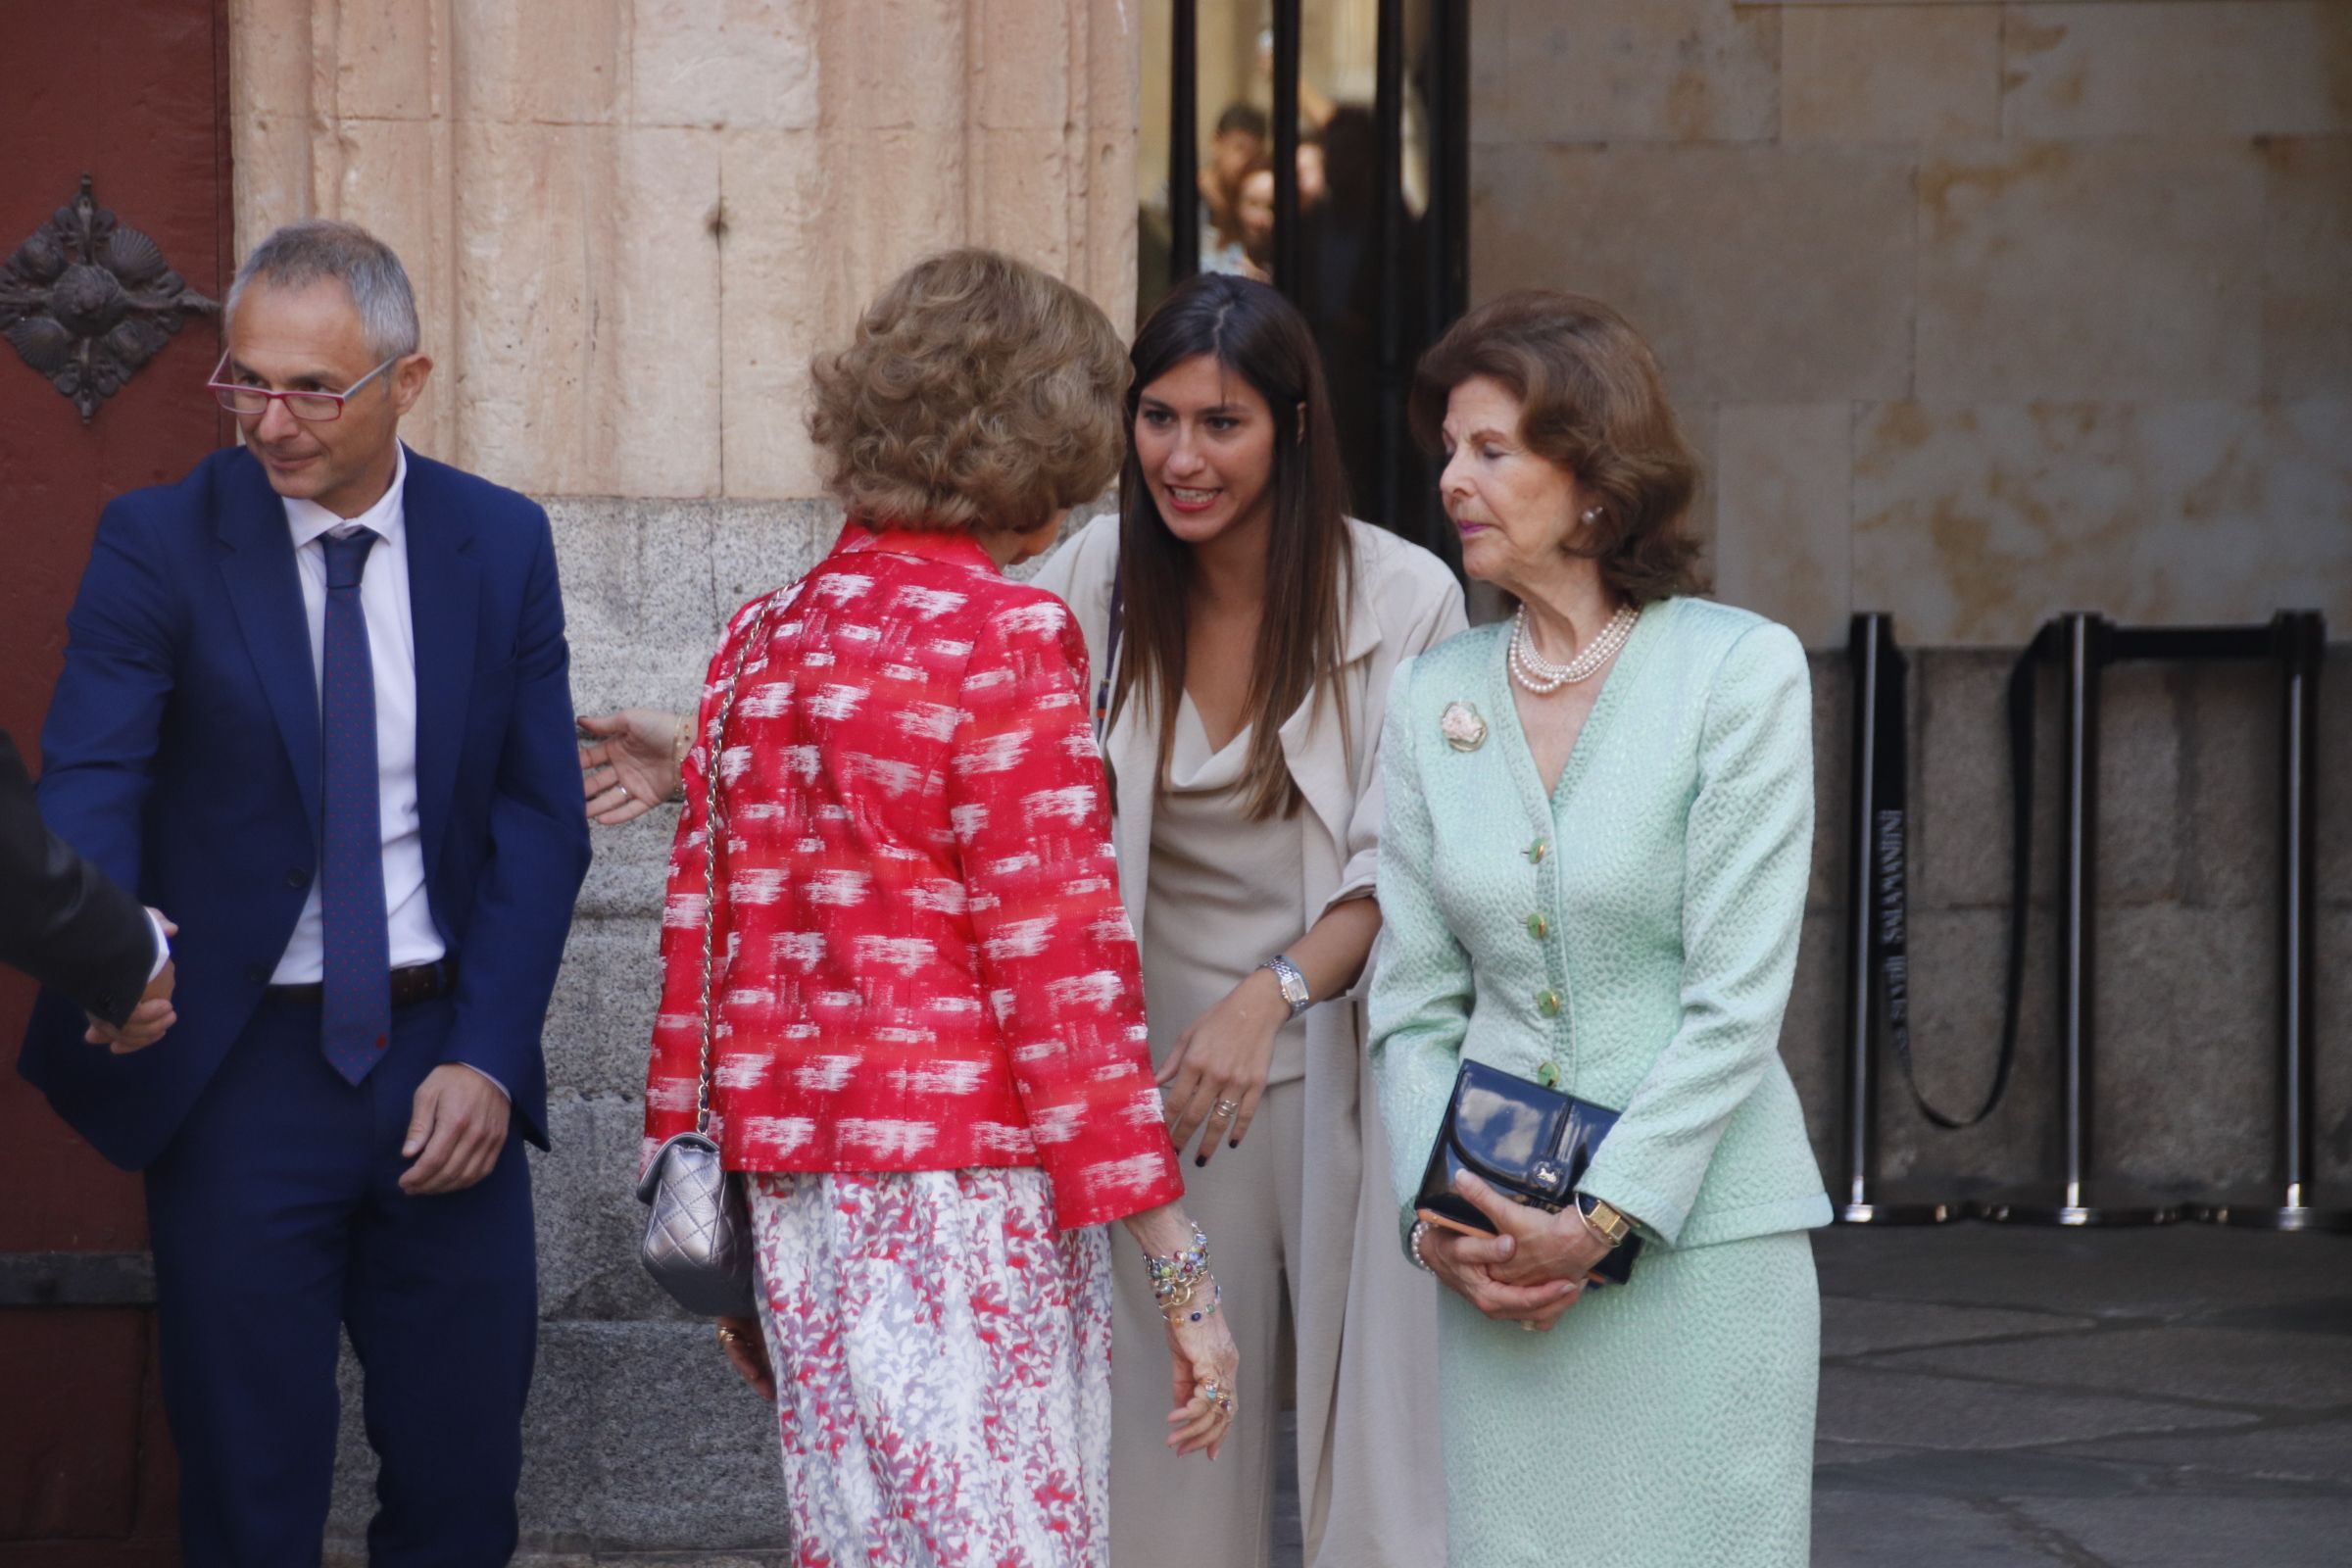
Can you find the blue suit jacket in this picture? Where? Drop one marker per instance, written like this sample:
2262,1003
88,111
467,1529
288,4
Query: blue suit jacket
182,754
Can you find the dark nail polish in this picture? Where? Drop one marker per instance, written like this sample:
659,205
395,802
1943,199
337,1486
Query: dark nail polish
1200,1160
1236,1143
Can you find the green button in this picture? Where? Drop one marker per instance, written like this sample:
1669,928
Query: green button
1535,852
1537,927
1549,1075
1549,1002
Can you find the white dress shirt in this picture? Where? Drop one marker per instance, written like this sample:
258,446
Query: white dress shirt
392,652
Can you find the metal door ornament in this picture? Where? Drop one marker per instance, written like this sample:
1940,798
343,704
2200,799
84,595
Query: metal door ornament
87,301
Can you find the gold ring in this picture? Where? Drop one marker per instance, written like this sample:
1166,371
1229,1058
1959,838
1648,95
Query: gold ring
1527,1326
1226,1107
728,1336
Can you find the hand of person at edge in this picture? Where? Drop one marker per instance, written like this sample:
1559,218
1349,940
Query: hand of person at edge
1203,1354
457,1129
153,1014
1223,1056
627,767
745,1349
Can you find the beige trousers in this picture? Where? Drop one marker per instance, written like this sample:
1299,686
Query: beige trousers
1372,1495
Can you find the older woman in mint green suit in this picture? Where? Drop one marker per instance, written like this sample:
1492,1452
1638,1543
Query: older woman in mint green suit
1593,873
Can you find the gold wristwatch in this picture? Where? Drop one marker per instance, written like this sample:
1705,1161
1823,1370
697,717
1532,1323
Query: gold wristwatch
1607,1223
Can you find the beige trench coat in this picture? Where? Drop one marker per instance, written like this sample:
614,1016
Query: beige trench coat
1371,1483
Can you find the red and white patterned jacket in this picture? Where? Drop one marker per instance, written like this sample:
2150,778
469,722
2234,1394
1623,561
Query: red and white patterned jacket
920,960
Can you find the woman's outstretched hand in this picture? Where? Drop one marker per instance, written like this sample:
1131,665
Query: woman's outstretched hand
627,767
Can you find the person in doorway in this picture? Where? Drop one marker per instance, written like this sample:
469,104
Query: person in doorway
1594,875
315,703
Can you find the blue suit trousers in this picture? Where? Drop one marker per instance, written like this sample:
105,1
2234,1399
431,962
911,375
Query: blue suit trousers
276,1221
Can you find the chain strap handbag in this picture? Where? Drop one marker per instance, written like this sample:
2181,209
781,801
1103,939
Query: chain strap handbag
697,1237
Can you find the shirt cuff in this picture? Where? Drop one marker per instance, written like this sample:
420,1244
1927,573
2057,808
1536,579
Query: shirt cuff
492,1082
162,947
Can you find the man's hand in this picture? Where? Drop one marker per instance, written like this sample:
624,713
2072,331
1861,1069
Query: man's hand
455,1132
628,764
153,1015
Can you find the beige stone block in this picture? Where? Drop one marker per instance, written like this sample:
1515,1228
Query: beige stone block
271,63
658,381
1895,72
1021,57
590,369
1641,71
1783,532
557,61
391,62
1761,275
2099,270
775,268
391,177
2306,267
273,175
1019,197
745,63
2243,68
1974,524
892,65
1490,117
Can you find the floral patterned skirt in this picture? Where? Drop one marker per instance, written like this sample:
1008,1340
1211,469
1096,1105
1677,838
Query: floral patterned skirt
943,1369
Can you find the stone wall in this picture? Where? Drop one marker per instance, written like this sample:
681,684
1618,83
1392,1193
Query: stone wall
631,222
1979,312
2187,996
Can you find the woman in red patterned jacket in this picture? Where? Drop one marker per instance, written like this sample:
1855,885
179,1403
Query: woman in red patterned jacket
928,1042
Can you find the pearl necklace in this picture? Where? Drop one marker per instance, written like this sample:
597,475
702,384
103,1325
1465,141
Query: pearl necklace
1540,675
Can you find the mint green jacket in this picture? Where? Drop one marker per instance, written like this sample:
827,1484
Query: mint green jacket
1637,931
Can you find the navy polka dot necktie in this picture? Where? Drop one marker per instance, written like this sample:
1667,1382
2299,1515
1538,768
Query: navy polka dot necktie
356,1019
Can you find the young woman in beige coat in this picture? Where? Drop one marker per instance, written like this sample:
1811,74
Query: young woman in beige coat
1242,633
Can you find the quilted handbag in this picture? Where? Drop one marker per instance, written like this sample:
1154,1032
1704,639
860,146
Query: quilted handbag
697,1236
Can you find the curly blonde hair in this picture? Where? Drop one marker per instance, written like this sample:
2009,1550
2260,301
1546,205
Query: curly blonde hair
978,393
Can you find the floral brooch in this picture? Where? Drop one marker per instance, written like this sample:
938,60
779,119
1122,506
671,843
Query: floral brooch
1461,726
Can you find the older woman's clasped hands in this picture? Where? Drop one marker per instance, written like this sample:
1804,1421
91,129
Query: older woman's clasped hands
1530,1273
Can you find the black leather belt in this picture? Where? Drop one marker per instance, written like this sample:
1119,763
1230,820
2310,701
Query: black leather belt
419,982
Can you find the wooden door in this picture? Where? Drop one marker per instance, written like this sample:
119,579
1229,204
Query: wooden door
131,94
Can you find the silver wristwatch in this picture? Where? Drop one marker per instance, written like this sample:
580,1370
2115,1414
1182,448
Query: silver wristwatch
1293,983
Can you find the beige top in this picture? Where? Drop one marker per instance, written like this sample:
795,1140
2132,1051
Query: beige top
1229,890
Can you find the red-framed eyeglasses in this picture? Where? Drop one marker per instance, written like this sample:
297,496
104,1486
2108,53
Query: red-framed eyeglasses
319,407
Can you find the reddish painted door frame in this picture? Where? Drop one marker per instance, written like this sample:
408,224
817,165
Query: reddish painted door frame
135,95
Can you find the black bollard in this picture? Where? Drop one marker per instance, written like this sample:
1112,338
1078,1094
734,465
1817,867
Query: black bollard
1874,920
2077,1197
2301,641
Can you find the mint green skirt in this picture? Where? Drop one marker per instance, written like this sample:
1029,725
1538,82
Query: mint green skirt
1667,1423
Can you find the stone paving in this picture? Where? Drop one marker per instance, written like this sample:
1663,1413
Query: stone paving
2155,1398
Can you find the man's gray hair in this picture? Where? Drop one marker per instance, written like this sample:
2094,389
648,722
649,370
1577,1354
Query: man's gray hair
317,248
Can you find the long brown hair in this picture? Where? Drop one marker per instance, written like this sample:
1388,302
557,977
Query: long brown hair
1256,334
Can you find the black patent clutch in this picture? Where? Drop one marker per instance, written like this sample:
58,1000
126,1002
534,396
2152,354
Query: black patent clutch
1527,1141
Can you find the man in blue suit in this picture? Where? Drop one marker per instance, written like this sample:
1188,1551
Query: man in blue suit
316,704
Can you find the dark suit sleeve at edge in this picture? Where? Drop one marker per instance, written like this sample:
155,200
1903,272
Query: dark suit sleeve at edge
62,920
538,857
